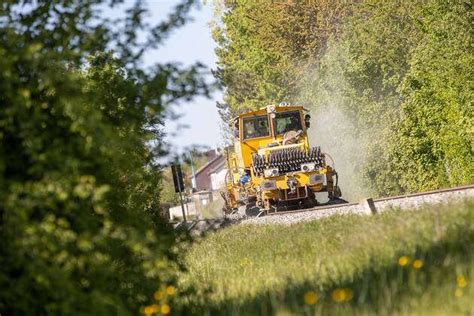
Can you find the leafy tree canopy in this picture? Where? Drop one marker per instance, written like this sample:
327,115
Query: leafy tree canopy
389,81
79,182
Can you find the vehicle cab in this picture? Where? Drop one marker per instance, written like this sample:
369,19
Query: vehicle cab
263,130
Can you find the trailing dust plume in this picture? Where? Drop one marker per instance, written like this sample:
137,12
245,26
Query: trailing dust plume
334,129
334,132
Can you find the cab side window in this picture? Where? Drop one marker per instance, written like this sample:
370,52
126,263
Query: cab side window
287,121
255,127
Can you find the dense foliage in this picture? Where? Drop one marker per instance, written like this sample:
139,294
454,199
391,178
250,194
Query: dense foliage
390,82
265,48
79,181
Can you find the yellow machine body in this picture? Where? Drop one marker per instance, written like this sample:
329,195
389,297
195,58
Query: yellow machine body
272,165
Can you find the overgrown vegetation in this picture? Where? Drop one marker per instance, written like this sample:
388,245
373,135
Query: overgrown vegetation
79,226
403,262
390,82
80,133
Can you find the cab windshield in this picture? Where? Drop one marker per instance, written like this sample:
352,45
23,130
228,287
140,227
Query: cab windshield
256,126
287,121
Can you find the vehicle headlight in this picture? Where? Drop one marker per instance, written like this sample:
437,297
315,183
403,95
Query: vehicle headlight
317,179
272,172
268,185
307,167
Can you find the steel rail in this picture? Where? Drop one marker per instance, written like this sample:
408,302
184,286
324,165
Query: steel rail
461,188
390,198
191,225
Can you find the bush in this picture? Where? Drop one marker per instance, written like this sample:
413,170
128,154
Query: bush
79,182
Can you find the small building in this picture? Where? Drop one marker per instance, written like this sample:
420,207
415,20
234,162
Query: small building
218,178
209,179
212,170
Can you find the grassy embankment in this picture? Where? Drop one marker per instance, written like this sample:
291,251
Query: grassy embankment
397,262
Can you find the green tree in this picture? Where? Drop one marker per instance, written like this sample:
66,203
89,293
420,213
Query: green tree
406,87
265,48
389,82
359,76
434,135
79,182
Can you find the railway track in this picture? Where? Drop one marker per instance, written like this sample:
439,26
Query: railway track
388,201
369,206
366,206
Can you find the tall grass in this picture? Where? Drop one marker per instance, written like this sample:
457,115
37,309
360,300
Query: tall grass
397,262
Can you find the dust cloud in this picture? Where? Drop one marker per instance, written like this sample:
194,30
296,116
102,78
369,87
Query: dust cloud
334,132
333,128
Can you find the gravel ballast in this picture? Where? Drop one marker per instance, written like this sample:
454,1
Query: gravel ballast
409,202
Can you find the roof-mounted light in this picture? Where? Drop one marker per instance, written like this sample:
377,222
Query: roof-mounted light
271,108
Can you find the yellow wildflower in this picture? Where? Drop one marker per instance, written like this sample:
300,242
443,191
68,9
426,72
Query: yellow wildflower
341,295
25,93
417,264
461,280
165,309
310,298
458,293
158,295
151,309
403,261
170,290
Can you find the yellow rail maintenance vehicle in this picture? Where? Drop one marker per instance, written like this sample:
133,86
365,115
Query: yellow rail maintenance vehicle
272,166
